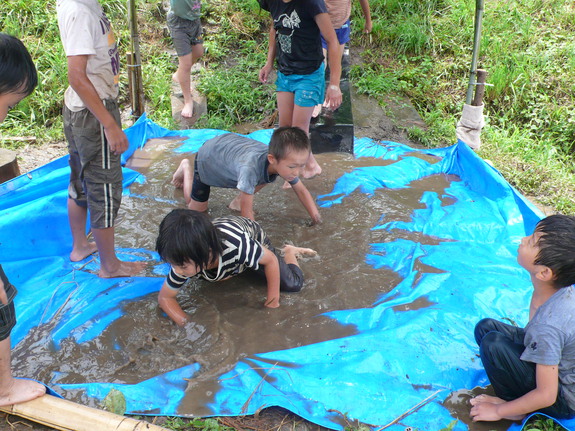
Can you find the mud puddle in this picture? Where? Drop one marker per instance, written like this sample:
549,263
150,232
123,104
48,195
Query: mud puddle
229,320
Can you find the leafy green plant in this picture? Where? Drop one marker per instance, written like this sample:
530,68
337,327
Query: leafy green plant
180,424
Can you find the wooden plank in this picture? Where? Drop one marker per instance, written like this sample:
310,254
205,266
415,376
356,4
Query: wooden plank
65,415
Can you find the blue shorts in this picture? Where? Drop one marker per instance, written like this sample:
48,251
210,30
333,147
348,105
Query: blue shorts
343,35
309,90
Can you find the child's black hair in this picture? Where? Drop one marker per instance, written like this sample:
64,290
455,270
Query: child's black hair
17,70
188,236
557,248
285,139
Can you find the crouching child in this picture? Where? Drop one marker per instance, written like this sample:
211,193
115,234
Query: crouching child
533,368
216,250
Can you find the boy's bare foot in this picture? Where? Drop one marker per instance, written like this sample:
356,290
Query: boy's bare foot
188,110
484,398
235,204
298,251
81,253
19,390
178,177
124,269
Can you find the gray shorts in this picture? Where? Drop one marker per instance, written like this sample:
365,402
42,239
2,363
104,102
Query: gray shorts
185,33
7,312
95,172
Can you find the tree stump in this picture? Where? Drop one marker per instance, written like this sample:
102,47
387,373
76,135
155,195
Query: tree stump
8,165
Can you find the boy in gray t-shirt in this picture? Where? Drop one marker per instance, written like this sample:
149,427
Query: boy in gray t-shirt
235,161
533,368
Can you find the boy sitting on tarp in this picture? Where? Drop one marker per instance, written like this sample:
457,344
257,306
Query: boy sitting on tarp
18,78
195,246
533,368
234,161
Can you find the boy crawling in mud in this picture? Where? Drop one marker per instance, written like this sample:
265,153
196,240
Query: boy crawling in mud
234,161
195,246
533,368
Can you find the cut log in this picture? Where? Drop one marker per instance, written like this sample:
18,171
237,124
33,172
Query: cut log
68,416
8,165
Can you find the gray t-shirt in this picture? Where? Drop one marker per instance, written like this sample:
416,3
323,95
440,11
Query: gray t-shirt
187,9
550,339
234,161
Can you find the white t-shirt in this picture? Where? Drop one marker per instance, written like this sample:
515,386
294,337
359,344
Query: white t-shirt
85,30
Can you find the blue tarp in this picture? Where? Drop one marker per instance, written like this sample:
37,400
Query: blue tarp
401,361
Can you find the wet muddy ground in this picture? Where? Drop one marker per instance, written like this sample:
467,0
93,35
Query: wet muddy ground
229,321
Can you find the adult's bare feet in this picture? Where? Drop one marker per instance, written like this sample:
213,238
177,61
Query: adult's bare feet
124,269
19,390
82,252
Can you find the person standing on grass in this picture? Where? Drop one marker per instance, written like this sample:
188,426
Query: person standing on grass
18,78
93,130
186,31
339,13
294,40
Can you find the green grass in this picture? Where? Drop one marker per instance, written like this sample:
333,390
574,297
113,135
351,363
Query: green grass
424,52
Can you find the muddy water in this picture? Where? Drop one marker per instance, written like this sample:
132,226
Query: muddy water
229,321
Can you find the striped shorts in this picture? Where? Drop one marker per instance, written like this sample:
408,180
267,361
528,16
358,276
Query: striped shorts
7,312
95,172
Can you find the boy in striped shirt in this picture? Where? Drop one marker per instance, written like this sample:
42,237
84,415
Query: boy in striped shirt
216,250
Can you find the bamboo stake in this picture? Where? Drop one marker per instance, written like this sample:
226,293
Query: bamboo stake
68,416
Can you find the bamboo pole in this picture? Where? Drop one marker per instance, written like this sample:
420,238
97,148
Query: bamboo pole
475,55
136,66
65,415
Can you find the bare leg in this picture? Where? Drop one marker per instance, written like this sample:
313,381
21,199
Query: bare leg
81,247
182,76
14,391
292,253
301,119
285,108
183,179
110,265
198,206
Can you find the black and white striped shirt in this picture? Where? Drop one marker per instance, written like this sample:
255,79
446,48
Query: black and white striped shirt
243,243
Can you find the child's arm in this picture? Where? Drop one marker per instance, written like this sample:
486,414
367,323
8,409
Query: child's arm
307,201
367,14
266,70
272,270
544,395
168,303
247,205
333,92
